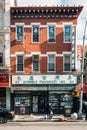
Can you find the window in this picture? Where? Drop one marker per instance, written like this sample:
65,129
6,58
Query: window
1,58
35,34
67,34
35,62
66,63
19,63
51,63
20,33
51,31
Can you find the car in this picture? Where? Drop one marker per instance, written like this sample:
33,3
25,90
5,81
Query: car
6,115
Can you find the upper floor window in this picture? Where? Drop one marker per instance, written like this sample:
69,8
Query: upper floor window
67,63
35,62
19,63
1,58
19,33
67,34
51,63
51,34
35,35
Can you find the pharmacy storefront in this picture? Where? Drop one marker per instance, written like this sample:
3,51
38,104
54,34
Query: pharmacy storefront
32,93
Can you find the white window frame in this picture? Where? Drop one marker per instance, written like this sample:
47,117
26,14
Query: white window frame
38,33
54,33
54,62
19,25
64,63
16,63
70,34
38,63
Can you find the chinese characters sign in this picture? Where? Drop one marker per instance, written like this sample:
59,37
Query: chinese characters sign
44,79
79,52
4,80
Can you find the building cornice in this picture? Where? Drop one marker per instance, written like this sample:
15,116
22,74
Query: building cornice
62,12
4,31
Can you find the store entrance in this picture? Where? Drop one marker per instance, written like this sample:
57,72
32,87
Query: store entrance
38,103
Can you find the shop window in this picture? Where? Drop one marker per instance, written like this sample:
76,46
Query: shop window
67,63
19,63
51,34
35,34
1,58
19,33
51,63
67,34
22,101
35,62
2,102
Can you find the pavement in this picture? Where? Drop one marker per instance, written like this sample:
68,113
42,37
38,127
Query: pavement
39,118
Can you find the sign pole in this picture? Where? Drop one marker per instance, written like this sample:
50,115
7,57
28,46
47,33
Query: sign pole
82,74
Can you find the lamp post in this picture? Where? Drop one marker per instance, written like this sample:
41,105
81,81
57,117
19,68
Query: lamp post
82,74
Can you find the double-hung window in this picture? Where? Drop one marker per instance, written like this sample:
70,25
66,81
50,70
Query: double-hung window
35,30
35,63
67,34
67,66
51,63
51,34
1,58
19,33
19,63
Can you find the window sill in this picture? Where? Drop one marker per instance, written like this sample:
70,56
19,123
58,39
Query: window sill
19,72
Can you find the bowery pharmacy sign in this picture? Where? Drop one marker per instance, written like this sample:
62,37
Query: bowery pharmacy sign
43,79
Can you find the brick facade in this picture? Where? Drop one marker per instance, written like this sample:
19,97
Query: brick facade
42,86
43,46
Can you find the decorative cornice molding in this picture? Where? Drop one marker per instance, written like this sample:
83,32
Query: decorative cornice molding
46,12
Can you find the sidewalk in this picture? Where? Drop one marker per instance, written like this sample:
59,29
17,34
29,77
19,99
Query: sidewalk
38,118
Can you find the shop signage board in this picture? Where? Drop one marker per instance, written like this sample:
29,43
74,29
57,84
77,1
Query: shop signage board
4,80
44,79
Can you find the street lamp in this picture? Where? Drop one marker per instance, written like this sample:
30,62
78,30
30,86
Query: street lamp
82,73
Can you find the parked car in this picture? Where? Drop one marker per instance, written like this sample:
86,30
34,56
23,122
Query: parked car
6,115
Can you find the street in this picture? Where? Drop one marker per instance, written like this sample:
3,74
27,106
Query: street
44,126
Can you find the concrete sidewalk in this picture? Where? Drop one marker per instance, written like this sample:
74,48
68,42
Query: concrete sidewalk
34,118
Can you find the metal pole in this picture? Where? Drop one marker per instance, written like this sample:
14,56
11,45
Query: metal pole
82,74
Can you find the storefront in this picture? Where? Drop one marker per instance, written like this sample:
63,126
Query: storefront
4,84
30,102
29,96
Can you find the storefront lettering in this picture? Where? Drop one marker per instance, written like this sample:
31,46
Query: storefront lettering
48,82
31,77
4,80
62,81
57,77
44,79
18,80
29,82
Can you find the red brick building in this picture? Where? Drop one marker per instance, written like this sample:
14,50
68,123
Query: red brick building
42,57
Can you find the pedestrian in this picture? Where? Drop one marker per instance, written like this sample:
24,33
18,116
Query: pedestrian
85,107
86,113
46,111
50,111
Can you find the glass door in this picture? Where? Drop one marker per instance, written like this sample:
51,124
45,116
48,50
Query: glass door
41,105
35,104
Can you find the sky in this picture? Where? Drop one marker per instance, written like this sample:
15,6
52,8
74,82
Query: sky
81,20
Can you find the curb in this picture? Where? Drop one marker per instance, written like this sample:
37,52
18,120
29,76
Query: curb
44,120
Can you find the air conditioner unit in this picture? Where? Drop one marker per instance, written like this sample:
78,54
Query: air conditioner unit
35,57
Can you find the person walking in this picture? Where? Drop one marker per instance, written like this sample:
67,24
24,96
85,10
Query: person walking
46,111
50,111
86,113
